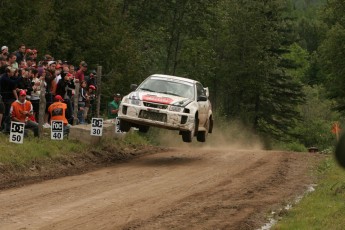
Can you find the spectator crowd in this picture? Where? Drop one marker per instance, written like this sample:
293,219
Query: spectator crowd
22,78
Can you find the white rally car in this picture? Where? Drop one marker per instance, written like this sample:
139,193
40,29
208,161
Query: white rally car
168,102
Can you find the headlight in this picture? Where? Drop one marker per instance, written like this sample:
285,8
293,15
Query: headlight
176,108
135,102
180,105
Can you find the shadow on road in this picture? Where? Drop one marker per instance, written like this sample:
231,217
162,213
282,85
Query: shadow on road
166,161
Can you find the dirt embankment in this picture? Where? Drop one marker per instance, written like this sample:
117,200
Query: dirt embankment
176,188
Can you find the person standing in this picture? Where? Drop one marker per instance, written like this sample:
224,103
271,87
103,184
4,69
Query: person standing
113,107
49,78
81,102
8,92
12,60
4,51
80,74
20,53
89,102
21,111
36,91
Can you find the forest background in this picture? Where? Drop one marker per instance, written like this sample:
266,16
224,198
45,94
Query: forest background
275,66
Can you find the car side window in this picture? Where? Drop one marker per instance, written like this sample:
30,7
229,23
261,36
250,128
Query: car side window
200,90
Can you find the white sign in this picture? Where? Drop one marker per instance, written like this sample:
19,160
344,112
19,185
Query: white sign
17,132
96,127
117,126
56,130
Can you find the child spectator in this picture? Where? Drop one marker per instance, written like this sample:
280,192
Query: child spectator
89,102
81,102
36,91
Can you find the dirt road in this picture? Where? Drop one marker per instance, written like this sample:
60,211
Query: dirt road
175,189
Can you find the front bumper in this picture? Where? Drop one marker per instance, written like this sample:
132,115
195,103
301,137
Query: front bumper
161,118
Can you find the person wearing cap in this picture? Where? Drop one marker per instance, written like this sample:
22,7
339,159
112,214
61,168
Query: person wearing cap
57,111
80,74
4,51
21,111
113,107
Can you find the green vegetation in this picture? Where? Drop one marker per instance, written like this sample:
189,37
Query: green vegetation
322,209
34,149
44,149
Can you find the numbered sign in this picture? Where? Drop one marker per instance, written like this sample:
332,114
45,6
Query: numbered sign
56,130
17,132
97,127
117,126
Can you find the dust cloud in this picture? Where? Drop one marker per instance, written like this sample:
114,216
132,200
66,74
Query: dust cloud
224,136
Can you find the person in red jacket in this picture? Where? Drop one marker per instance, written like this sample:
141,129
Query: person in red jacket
22,111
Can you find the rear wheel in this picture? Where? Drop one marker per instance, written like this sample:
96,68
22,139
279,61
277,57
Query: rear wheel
125,126
201,135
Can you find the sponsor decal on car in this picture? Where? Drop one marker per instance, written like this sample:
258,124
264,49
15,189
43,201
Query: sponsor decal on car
153,98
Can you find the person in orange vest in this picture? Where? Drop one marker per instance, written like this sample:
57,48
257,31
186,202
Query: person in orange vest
22,111
57,112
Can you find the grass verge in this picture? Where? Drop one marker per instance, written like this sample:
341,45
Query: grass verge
324,208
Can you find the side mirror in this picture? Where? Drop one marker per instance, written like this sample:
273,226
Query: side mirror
202,98
134,87
207,92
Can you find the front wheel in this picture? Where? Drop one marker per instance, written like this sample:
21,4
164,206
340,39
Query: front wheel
187,136
125,126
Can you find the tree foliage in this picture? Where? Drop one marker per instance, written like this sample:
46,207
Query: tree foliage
254,56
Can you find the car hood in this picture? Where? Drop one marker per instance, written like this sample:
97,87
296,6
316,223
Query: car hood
159,98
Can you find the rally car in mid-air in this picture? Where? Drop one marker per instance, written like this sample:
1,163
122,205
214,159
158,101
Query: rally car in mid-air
168,102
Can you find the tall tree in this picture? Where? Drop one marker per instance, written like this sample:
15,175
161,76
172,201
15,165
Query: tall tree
256,86
332,51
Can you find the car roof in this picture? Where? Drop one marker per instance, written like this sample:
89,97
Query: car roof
174,78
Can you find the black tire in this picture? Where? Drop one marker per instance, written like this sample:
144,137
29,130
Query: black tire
201,136
187,136
125,126
210,127
144,128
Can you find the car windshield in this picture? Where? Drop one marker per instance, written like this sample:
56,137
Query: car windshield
176,88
